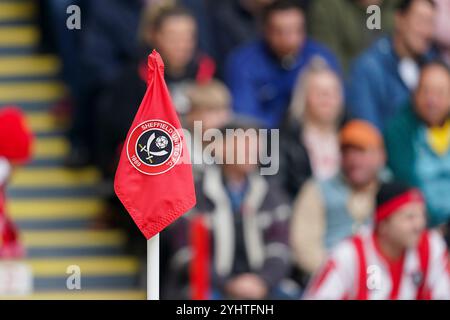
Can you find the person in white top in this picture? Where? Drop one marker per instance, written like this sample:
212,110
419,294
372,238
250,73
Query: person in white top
396,259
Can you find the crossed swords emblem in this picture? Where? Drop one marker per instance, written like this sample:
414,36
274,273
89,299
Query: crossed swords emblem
152,154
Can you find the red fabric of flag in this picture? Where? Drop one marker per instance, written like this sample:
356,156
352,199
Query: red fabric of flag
200,265
154,178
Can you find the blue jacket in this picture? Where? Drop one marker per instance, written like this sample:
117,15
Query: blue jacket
375,90
260,86
339,222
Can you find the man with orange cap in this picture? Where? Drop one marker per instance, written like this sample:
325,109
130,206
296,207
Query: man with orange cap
326,212
15,148
397,259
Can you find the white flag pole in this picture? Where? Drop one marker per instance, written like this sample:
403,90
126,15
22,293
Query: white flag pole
153,268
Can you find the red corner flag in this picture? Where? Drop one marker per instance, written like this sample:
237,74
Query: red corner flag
154,181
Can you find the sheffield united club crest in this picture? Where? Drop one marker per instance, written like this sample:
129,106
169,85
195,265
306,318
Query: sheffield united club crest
154,147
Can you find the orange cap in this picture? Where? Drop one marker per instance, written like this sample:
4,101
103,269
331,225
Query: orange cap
362,134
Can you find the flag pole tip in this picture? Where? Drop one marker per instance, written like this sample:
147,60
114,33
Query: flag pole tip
155,61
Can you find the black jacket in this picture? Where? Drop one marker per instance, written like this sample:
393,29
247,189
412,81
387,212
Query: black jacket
295,166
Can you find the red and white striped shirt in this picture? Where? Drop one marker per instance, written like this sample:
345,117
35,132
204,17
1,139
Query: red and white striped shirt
357,270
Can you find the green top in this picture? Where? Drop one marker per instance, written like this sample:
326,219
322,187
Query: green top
412,160
342,26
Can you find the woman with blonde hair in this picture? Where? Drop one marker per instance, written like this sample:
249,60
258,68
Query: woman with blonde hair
309,142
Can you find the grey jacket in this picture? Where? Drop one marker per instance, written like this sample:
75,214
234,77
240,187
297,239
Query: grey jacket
265,214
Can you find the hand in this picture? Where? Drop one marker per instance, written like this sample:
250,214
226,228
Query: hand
247,286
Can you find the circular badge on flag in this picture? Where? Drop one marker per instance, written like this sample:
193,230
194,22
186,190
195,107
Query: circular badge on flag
154,147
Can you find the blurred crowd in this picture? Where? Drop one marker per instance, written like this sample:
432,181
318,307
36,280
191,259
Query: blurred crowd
357,108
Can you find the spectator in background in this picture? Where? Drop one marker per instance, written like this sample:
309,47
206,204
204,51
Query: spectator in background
309,143
210,108
237,22
418,141
172,30
341,25
442,29
396,260
108,43
326,212
201,12
383,77
247,218
261,75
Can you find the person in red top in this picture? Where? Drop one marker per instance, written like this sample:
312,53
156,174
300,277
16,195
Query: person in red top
15,148
397,259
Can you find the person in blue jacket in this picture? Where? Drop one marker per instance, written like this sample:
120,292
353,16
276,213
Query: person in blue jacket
261,75
382,78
